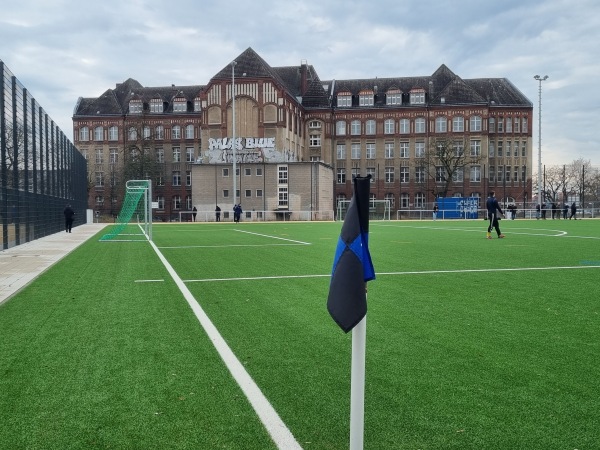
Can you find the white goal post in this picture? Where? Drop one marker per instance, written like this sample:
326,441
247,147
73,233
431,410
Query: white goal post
378,209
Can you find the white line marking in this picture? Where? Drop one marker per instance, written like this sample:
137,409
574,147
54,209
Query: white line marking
148,281
235,245
281,435
420,272
274,237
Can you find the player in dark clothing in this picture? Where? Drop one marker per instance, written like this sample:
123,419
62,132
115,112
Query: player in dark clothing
492,208
69,216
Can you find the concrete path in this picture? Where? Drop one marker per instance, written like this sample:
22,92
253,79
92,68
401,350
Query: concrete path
22,264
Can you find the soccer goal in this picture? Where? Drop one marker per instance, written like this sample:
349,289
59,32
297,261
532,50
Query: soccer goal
378,209
134,222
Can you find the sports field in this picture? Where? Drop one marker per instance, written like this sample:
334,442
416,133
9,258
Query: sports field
471,343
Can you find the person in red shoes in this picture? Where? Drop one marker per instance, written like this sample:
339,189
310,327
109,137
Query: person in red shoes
493,208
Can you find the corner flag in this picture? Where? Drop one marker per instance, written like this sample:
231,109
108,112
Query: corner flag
352,265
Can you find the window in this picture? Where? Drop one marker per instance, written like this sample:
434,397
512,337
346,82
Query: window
99,179
189,154
132,134
404,126
344,100
475,174
517,125
340,128
355,151
160,179
99,134
508,125
247,171
459,150
500,125
176,154
419,200
420,125
500,149
197,105
389,174
84,134
135,107
370,150
341,175
492,174
176,178
314,124
500,174
475,147
355,127
388,126
248,193
160,155
160,132
225,193
419,149
99,156
146,132
315,140
259,193
161,201
523,174
282,196
188,177
176,132
404,174
458,124
492,149
355,172
371,171
441,124
188,202
404,150
475,123
524,149
99,200
179,105
341,151
516,149
189,131
282,174
114,156
492,125
393,97
259,171
516,174
389,150
366,99
420,174
404,200
113,133
417,97
525,126
156,105
389,197
177,202
508,148
370,127
507,170
458,175
440,174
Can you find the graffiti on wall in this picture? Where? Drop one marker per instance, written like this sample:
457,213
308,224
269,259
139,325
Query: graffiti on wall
247,150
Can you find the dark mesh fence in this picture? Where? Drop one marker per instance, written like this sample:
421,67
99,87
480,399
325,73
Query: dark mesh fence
41,170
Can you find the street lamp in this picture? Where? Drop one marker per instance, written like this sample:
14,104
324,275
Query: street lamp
233,149
540,79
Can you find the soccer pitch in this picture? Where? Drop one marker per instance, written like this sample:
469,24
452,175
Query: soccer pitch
471,343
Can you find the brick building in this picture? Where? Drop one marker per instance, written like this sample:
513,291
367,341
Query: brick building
299,140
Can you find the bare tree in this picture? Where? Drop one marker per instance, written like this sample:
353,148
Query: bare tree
445,163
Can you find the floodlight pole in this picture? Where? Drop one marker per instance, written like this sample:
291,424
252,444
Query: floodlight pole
233,149
540,79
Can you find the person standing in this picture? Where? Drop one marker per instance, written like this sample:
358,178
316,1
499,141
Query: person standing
493,208
218,214
194,212
69,217
573,211
435,211
565,211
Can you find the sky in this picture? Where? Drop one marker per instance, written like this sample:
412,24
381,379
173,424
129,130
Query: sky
61,50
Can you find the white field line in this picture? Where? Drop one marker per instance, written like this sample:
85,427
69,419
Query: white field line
274,237
281,435
419,272
234,245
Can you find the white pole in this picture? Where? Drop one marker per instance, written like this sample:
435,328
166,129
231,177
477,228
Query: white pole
233,132
357,385
540,79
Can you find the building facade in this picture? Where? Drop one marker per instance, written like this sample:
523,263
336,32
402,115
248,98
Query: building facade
418,137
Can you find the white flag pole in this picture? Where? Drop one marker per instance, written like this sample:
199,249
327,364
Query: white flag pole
357,385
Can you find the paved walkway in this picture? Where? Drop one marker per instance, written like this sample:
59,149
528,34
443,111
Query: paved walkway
22,264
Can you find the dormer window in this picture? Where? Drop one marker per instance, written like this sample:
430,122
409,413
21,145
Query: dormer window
393,97
179,105
197,104
156,105
135,107
417,97
366,98
344,100
314,124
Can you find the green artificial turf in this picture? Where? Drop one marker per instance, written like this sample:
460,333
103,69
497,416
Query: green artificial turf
471,343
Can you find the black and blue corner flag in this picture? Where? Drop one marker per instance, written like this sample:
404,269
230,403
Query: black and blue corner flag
352,265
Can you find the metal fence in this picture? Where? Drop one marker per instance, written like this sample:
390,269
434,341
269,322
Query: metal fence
41,171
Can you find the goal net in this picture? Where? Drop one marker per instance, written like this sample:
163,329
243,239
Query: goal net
134,222
378,209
